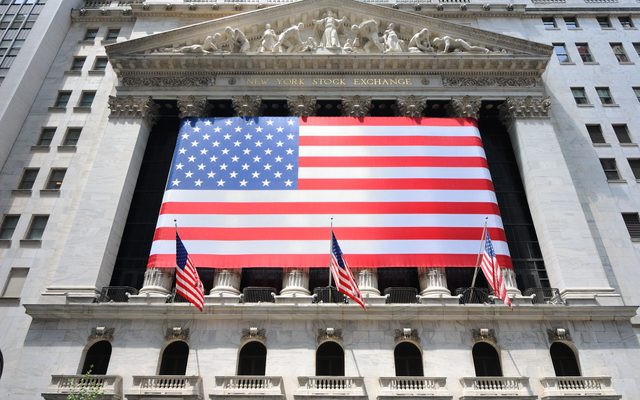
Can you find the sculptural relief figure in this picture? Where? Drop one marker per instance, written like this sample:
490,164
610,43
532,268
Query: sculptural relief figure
329,26
207,46
309,45
367,37
391,41
236,40
269,39
420,42
289,40
447,44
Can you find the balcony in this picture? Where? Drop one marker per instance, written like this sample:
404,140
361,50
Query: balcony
573,387
401,295
248,387
496,386
543,295
413,386
257,294
116,294
473,295
328,295
166,387
330,387
110,386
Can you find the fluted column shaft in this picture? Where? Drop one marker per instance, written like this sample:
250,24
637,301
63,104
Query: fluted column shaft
158,281
433,282
226,283
295,281
367,279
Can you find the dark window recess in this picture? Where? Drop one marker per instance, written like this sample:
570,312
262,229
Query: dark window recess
408,360
604,22
634,163
8,226
564,360
610,168
28,178
91,33
328,108
174,359
329,360
571,22
622,133
86,98
383,108
71,137
632,221
46,136
397,278
77,63
262,277
595,134
436,109
100,64
626,22
55,179
252,359
549,23
96,362
63,99
486,360
36,229
274,108
112,34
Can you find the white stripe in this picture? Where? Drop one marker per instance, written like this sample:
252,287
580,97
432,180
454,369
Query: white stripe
320,247
391,151
322,196
393,172
312,130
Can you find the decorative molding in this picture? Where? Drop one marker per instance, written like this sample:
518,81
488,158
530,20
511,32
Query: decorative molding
465,107
356,106
411,106
168,81
133,107
101,333
467,81
254,333
192,106
302,106
525,108
559,334
177,333
329,334
407,334
484,335
246,106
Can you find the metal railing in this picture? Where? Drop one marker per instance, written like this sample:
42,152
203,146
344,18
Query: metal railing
328,295
256,294
116,294
474,295
175,298
542,295
401,295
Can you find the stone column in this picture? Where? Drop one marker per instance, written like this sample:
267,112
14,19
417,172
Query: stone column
246,106
568,247
433,282
226,283
192,106
302,106
295,286
356,106
411,106
465,107
509,279
367,280
157,282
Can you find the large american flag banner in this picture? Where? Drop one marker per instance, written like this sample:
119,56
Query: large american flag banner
260,192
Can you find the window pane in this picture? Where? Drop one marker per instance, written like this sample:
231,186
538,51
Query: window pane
636,91
63,99
571,22
622,133
636,47
585,53
100,64
634,163
610,169
15,282
112,34
86,98
36,230
618,51
28,178
55,179
77,63
549,22
632,221
579,95
595,133
9,223
561,52
46,136
604,22
605,95
91,33
626,22
72,136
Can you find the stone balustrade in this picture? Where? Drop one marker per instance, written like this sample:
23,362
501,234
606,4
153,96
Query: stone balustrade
496,386
185,387
331,386
592,387
263,387
413,386
109,386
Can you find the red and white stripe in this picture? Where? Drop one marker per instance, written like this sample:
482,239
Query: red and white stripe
188,284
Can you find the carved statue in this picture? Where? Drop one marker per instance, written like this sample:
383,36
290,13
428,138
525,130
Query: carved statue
420,42
289,40
330,26
447,44
367,37
309,45
348,46
269,39
391,41
236,40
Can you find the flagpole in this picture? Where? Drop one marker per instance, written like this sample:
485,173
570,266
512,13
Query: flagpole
482,240
330,249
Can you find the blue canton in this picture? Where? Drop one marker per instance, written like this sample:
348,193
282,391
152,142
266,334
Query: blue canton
488,247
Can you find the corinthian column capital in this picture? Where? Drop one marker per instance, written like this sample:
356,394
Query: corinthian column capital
465,107
525,108
356,106
133,107
302,106
246,106
192,106
411,106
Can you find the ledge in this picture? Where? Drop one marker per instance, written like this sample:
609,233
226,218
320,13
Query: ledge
96,72
82,109
21,192
73,73
31,243
40,149
5,243
67,149
50,193
57,109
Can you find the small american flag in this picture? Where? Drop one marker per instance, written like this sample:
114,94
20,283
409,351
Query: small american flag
188,284
342,274
492,271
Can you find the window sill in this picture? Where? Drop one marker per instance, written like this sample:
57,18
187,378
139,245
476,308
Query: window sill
40,149
21,192
552,29
67,149
601,145
34,243
72,73
632,28
628,144
14,301
57,109
585,105
607,28
637,240
96,72
574,29
626,63
611,105
50,192
568,63
82,109
5,243
87,41
109,41
616,181
591,63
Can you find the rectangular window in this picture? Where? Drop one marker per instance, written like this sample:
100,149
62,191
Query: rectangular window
77,63
549,23
86,98
9,223
634,163
46,136
585,52
636,47
15,282
636,91
622,133
605,95
28,178
579,95
55,178
91,34
63,98
100,64
610,169
72,136
595,133
618,51
571,22
561,52
112,34
626,22
632,221
604,22
36,228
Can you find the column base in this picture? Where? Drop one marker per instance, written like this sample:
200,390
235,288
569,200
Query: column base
370,299
148,298
154,291
222,299
294,298
441,299
294,291
435,292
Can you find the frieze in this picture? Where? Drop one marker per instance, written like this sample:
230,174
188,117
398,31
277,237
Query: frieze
168,81
465,81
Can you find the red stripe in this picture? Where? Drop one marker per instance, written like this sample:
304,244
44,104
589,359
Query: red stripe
321,260
385,121
333,208
411,161
395,184
351,233
390,141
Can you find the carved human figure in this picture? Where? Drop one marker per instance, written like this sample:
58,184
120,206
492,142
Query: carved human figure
269,39
447,44
309,45
420,42
289,40
348,46
207,46
236,40
330,26
391,41
367,37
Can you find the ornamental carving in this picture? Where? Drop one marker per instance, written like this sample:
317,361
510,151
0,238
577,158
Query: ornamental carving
525,108
177,333
407,334
302,106
133,107
192,106
558,334
168,81
411,106
254,333
101,333
329,334
455,81
465,107
246,106
484,335
356,106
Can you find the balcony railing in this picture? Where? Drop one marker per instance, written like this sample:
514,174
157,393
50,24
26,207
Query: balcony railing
401,295
110,386
260,387
117,294
328,295
544,295
330,386
186,387
413,386
257,294
496,386
591,387
473,295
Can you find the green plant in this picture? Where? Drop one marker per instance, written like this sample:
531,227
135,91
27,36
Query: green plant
89,387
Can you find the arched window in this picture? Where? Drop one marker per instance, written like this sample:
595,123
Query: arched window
408,360
96,361
486,360
252,359
174,359
564,360
329,360
1,364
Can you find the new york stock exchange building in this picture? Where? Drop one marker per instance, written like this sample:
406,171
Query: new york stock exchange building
254,129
